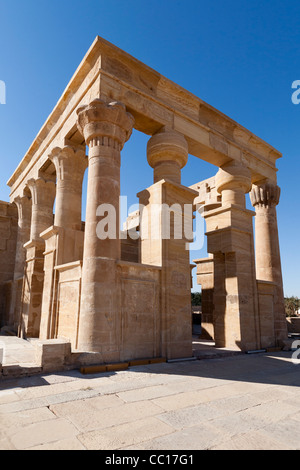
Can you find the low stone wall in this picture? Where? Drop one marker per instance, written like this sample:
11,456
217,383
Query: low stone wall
293,324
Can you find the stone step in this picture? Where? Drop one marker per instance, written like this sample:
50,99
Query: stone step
20,370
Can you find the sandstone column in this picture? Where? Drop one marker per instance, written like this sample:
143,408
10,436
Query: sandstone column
230,240
167,212
43,195
265,197
106,128
70,164
64,239
24,223
24,219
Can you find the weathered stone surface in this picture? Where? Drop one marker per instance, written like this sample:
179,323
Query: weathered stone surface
52,354
265,198
41,433
123,435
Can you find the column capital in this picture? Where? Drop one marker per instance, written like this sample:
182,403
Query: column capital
105,124
69,162
22,201
43,195
266,194
167,154
233,181
233,175
23,204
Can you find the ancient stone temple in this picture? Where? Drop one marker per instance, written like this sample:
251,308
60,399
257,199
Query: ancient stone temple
127,296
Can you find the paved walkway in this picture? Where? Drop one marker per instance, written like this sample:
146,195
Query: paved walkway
17,351
238,402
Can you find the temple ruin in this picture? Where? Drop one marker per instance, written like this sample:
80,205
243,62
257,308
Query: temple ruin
125,298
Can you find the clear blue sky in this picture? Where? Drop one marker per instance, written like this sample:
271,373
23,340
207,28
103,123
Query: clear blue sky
239,56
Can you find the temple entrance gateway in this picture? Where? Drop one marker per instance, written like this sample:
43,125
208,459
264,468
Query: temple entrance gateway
125,297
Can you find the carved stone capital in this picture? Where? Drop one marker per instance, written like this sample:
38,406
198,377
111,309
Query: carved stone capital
70,163
265,195
167,154
233,176
23,204
103,124
167,145
233,181
42,191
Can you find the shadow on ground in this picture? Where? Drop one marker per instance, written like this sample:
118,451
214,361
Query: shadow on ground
264,368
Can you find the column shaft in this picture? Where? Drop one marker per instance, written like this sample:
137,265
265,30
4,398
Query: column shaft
43,195
24,223
70,164
264,198
24,219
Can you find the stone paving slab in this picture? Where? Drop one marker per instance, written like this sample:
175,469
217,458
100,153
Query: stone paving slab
239,402
17,351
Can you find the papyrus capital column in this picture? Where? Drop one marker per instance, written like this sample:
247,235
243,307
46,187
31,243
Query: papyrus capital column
106,128
43,193
70,164
265,197
167,154
64,240
23,204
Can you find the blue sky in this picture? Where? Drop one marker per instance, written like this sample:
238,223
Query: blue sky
239,56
